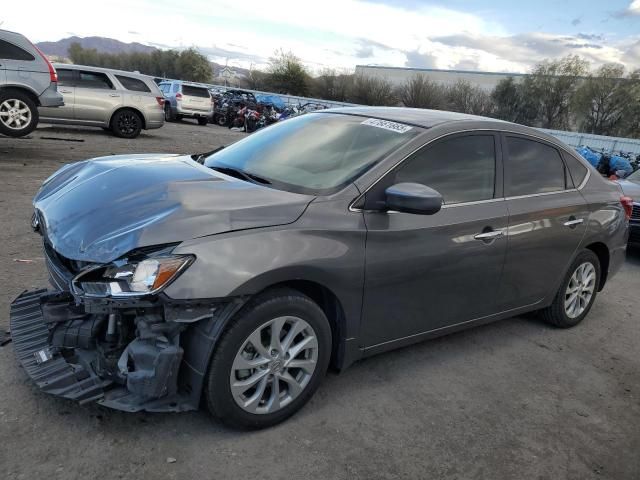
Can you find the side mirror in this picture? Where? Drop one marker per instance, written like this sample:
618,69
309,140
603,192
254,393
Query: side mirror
413,198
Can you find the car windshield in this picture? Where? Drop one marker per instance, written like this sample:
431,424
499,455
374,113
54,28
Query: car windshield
634,177
316,153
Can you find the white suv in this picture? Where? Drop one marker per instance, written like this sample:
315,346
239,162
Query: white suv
184,99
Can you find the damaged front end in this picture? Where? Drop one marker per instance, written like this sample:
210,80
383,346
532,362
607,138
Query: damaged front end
108,334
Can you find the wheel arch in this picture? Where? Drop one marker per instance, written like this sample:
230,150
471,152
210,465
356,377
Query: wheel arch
137,110
330,304
604,256
23,89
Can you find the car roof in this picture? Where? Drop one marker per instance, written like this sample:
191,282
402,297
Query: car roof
419,117
102,70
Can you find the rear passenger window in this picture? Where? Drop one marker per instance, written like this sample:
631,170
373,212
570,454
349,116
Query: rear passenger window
461,169
133,84
195,91
176,87
576,168
8,51
532,167
94,80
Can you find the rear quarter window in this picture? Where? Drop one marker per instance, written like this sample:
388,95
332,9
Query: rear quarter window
133,84
195,91
9,51
577,170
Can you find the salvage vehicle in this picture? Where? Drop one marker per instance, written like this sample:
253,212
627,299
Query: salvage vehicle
27,80
631,188
124,103
240,275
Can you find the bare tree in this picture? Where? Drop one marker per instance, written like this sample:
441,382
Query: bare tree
332,85
602,100
372,91
287,74
420,92
466,98
552,84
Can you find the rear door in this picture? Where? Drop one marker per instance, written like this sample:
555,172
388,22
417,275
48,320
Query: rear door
196,98
67,87
96,97
426,272
547,220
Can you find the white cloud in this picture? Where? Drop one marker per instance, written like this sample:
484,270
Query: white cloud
634,8
337,33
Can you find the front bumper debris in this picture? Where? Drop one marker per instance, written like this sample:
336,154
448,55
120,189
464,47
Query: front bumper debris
155,360
55,376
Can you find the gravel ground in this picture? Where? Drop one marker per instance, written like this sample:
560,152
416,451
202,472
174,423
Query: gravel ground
511,400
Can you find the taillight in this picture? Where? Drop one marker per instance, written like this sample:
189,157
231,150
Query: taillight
53,75
160,101
178,96
627,204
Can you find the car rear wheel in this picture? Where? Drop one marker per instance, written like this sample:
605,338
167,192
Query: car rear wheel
577,293
202,120
18,113
126,124
168,116
269,361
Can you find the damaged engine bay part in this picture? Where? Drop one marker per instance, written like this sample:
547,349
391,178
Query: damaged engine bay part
113,354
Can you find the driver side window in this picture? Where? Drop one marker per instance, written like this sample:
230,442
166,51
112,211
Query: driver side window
461,168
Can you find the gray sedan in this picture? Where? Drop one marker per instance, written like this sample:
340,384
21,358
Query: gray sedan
243,274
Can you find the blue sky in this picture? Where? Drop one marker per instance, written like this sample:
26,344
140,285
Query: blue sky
498,35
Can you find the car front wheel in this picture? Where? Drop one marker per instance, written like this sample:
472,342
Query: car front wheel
18,113
577,293
269,361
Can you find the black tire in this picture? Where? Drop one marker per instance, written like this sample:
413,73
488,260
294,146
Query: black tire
126,123
556,313
258,311
203,120
23,100
221,120
250,125
168,114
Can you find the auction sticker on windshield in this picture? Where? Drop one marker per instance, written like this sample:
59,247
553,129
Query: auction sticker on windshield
387,125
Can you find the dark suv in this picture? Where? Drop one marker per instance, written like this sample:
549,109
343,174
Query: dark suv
27,80
241,275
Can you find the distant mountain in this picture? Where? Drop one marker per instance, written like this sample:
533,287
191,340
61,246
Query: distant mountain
101,44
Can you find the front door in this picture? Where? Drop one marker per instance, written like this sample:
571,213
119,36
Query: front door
547,220
426,272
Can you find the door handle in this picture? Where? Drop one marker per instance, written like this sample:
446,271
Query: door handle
114,95
573,222
489,235
65,91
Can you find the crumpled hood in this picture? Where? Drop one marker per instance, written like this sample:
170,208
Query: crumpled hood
100,209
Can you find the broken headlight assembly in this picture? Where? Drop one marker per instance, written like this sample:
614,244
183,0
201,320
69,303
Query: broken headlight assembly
129,277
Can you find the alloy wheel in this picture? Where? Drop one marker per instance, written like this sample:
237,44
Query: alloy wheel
15,114
274,365
128,123
580,290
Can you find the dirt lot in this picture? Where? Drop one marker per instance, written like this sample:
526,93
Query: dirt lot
512,400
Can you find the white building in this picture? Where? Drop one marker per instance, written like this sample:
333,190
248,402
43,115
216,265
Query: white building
399,75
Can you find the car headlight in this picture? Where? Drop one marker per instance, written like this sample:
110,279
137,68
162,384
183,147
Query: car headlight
131,278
